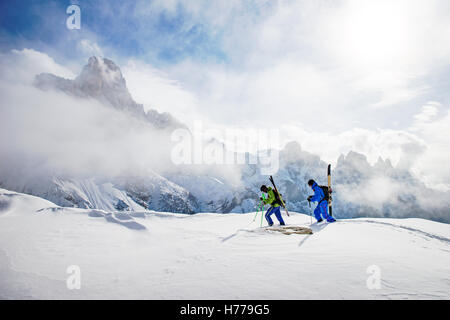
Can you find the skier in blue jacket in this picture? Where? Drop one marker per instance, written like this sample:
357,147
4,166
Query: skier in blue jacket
322,206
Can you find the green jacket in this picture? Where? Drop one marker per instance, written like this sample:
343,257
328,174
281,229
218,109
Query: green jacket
271,198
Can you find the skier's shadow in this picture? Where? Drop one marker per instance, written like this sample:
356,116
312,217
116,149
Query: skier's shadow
315,228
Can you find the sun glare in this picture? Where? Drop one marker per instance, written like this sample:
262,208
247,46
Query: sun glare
373,33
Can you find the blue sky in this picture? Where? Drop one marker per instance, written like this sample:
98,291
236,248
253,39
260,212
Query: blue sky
158,37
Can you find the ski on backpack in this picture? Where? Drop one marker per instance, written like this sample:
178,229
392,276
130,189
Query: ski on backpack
322,195
330,207
278,196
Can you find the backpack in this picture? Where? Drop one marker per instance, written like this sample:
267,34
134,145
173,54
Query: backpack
277,198
326,194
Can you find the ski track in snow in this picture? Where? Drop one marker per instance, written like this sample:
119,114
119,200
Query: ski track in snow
420,233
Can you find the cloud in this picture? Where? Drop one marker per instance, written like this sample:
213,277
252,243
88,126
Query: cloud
20,66
423,147
432,124
327,65
321,63
385,143
428,113
335,76
374,192
46,132
407,148
90,48
157,90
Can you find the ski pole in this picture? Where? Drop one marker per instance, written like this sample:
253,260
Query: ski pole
262,214
258,208
310,213
262,208
256,214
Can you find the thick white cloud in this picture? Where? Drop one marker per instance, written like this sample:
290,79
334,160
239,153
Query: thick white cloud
21,66
48,131
433,125
155,89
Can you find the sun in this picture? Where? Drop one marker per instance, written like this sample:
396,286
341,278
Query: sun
373,33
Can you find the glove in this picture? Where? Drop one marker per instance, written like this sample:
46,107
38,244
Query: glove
260,198
309,198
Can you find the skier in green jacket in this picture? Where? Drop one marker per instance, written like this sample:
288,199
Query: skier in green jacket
274,205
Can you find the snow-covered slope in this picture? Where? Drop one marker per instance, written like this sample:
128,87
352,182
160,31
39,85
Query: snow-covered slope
151,192
209,256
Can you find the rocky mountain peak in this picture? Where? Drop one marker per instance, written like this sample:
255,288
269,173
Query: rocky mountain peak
100,73
102,79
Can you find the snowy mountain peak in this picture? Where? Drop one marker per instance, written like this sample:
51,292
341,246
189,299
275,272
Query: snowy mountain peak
292,153
383,165
341,160
102,79
355,160
101,73
293,147
355,156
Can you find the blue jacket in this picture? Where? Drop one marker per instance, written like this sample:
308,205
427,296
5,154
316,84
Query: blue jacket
318,193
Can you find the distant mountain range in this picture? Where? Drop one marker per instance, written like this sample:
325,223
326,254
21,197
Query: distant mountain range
360,189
